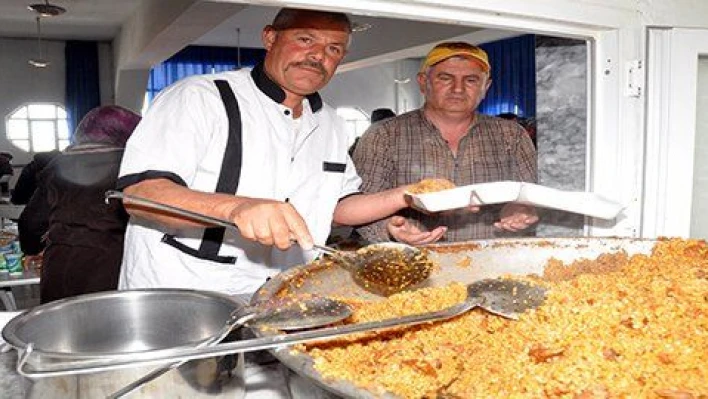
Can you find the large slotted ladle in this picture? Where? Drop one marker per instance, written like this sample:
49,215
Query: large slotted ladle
384,268
507,298
281,314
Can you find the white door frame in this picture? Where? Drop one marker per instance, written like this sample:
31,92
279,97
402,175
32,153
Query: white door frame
671,129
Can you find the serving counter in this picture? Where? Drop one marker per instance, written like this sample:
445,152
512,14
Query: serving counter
9,211
7,281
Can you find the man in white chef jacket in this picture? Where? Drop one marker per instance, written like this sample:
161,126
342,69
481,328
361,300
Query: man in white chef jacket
258,148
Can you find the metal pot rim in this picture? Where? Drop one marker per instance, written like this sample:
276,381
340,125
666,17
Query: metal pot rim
10,329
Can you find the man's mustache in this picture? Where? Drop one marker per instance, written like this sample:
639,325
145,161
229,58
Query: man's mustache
309,64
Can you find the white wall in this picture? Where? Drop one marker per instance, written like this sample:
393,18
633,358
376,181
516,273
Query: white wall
699,214
21,83
376,87
106,69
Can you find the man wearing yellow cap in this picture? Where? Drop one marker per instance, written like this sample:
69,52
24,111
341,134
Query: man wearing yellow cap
447,138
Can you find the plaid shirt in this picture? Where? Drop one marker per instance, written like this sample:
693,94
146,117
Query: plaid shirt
408,148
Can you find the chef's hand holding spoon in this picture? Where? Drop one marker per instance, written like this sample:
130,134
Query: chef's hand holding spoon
266,221
270,222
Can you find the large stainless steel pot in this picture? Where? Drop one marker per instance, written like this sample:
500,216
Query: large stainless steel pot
463,262
118,325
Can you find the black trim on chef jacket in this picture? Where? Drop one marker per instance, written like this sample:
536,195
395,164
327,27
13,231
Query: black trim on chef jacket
275,92
350,195
230,168
229,177
129,180
334,167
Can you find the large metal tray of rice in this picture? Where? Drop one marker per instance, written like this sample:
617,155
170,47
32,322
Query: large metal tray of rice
623,318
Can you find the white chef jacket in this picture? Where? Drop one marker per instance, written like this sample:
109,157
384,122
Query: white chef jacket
190,136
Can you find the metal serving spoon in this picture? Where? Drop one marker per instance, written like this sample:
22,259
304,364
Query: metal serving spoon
280,314
384,268
517,297
390,267
507,298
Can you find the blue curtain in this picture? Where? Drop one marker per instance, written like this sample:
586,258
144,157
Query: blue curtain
82,87
197,60
513,87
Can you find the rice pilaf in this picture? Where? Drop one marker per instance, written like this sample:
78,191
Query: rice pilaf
630,327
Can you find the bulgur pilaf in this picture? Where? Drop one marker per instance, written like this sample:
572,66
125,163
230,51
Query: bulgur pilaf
430,186
620,327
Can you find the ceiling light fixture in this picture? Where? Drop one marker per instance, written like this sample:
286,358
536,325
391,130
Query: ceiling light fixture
39,62
46,9
361,26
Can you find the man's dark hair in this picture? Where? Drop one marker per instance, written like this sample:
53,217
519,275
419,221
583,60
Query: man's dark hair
509,115
290,17
380,114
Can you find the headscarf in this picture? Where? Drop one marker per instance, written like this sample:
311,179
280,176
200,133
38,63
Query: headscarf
109,125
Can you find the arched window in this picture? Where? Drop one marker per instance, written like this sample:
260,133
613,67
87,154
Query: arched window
38,127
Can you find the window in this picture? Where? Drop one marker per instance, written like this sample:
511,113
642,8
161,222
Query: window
38,128
198,60
357,121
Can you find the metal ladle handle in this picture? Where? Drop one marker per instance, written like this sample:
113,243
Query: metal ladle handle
267,342
112,194
238,319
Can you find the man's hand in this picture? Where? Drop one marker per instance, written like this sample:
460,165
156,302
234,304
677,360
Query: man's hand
266,221
516,217
270,222
403,231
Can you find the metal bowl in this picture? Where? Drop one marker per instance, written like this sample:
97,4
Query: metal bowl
119,324
462,262
69,334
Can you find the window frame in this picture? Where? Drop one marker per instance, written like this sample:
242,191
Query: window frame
60,143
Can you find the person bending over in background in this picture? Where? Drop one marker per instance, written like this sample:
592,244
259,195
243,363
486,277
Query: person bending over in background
256,147
84,236
448,138
27,182
6,172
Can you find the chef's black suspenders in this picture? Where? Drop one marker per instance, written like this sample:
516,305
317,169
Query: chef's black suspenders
228,180
230,168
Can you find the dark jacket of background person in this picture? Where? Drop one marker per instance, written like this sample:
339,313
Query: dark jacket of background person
82,236
5,171
5,163
27,182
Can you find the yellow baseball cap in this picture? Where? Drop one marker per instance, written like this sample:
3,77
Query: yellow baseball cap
443,51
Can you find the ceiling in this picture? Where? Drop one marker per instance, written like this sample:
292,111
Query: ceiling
387,39
84,19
